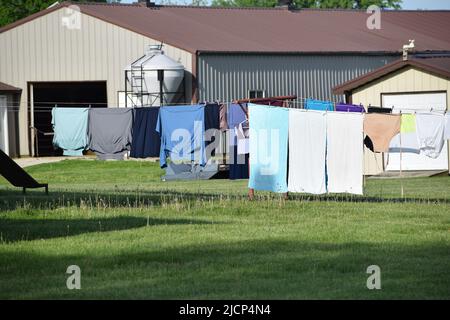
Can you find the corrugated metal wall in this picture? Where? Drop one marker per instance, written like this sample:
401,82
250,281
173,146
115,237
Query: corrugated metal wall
44,50
230,76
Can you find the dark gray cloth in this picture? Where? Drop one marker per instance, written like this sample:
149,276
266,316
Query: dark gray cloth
110,133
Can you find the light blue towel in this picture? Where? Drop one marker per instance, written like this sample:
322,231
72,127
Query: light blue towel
70,128
182,130
319,105
269,127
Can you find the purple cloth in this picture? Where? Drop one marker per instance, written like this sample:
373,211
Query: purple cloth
343,107
236,115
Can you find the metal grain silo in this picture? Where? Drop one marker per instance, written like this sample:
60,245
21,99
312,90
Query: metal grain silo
154,79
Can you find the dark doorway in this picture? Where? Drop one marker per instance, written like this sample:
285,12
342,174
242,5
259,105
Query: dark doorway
48,95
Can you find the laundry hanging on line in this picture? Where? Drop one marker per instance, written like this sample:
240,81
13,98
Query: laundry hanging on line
381,128
70,127
325,150
343,107
110,132
407,140
319,105
447,126
182,130
239,164
307,149
242,139
237,114
212,121
430,131
378,110
345,153
223,117
268,148
145,141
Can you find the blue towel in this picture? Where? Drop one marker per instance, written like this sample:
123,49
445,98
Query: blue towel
70,129
268,147
146,140
182,131
319,105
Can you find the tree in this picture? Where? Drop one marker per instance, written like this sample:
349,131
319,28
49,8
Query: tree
244,3
359,4
331,4
11,11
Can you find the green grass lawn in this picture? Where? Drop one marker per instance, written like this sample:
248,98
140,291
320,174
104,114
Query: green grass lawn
134,236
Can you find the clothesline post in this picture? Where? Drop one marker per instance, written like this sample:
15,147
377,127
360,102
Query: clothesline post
364,167
401,171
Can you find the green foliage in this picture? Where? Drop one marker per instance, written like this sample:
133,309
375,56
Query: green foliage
11,11
343,4
244,3
359,4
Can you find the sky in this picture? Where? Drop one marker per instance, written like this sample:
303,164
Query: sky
407,4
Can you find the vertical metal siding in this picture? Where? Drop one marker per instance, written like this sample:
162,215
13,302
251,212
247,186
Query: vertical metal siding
230,76
45,51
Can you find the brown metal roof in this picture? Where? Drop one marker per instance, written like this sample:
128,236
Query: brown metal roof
277,30
437,66
7,87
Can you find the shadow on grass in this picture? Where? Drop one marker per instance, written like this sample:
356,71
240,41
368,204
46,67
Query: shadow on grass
12,200
254,269
12,230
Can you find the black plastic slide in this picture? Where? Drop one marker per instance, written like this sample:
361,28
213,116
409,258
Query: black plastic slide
16,175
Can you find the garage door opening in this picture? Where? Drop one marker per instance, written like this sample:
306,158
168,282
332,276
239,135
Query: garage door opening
46,96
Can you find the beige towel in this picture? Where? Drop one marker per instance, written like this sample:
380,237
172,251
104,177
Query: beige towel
381,128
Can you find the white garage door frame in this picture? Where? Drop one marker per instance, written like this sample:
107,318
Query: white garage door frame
408,102
4,138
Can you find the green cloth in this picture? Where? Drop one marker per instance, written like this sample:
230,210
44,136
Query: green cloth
408,123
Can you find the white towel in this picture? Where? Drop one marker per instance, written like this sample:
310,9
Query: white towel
243,145
307,146
407,144
430,130
345,152
447,127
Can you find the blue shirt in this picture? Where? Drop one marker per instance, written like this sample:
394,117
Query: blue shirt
182,130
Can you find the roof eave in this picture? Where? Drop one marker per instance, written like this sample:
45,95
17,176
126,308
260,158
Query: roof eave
370,77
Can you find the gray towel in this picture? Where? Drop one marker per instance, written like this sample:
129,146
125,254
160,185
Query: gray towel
110,132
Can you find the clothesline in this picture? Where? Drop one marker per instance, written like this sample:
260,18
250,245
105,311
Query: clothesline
299,101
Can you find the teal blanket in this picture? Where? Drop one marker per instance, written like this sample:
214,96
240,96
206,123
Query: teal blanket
268,147
70,128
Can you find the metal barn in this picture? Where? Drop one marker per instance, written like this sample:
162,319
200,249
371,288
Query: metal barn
75,54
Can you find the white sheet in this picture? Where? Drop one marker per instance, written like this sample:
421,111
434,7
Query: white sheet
430,130
409,143
345,152
307,146
447,127
243,144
